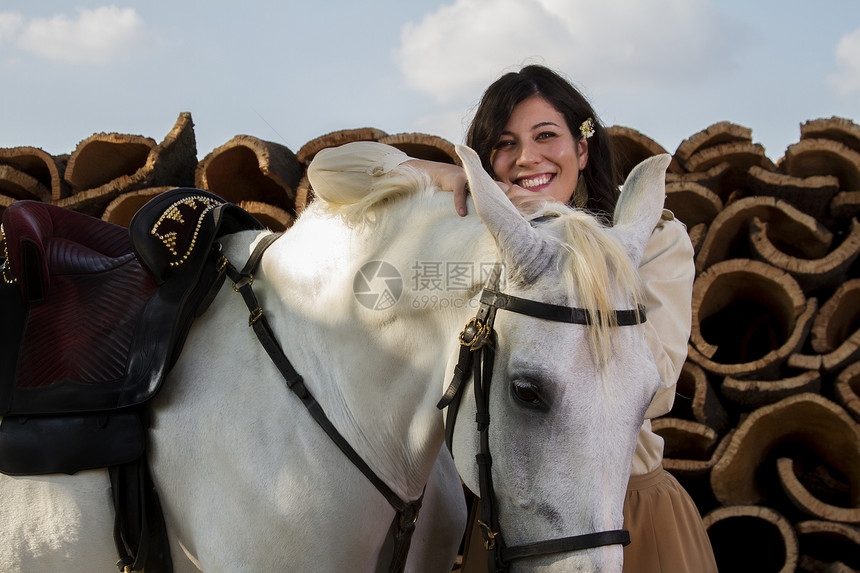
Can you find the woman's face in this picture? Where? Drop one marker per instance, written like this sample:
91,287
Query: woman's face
537,151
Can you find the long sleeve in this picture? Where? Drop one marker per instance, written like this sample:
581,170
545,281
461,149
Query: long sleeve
342,175
667,272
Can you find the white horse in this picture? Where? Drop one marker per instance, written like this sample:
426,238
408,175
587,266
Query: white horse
249,482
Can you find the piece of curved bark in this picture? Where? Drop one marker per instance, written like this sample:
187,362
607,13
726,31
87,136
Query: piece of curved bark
828,547
752,538
838,318
811,157
710,178
807,502
48,170
808,420
103,157
845,205
20,185
847,390
695,399
796,232
811,274
690,448
121,210
423,146
747,318
835,332
697,236
692,203
631,147
271,217
838,129
5,202
755,393
740,155
336,138
713,135
105,166
304,194
249,169
812,195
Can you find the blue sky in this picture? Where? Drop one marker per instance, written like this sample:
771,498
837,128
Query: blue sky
291,71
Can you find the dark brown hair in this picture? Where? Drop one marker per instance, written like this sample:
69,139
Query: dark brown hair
498,103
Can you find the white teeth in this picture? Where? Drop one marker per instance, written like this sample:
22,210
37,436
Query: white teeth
535,182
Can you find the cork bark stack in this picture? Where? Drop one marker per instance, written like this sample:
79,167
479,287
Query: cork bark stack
765,429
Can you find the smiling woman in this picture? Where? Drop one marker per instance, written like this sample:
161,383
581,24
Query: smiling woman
542,142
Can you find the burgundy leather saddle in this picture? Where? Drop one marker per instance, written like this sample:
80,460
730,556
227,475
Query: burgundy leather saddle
96,314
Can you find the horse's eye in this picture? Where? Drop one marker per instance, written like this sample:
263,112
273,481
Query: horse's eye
527,393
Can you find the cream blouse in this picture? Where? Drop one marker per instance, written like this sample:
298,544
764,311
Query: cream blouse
343,174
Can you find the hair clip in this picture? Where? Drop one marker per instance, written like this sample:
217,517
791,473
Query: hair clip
587,128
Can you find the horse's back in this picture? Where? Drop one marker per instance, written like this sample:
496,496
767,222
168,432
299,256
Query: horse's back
56,522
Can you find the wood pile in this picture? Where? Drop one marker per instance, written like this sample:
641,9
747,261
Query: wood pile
764,432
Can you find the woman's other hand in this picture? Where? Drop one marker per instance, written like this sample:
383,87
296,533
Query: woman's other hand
524,200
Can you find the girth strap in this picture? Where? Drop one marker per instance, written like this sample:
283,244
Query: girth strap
406,513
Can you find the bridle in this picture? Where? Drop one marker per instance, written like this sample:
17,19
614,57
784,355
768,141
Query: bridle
477,353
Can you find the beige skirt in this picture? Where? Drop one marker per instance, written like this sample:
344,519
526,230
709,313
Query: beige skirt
666,530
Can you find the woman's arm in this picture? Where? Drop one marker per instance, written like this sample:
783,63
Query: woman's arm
344,174
667,272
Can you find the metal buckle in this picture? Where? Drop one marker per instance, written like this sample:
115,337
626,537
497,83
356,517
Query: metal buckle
245,281
474,334
256,315
489,536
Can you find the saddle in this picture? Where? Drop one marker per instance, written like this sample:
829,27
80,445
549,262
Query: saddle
97,314
94,316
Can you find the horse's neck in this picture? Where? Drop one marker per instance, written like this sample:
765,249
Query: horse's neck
377,374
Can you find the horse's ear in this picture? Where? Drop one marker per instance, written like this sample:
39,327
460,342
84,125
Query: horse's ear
520,245
641,204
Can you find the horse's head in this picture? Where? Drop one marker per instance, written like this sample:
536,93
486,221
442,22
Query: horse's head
567,400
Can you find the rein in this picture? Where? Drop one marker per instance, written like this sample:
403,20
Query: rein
477,354
406,512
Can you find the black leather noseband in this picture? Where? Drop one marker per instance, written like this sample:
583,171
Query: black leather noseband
477,354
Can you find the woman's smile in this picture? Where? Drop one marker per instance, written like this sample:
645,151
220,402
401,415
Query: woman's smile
535,182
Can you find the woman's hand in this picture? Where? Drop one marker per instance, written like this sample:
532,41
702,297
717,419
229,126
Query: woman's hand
524,200
447,177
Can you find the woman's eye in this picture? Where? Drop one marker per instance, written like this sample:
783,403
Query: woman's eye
527,393
546,135
502,144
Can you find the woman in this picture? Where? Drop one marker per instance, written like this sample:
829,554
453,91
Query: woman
541,140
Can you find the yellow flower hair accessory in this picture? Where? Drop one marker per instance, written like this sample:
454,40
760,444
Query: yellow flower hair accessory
587,128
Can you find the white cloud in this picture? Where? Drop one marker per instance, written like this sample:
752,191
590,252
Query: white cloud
10,23
94,37
847,79
625,45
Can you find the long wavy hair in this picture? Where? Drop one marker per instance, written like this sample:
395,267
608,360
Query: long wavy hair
498,103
